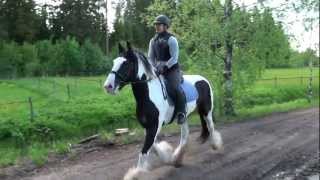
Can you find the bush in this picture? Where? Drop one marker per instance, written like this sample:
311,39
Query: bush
93,57
48,53
30,60
10,60
70,62
64,57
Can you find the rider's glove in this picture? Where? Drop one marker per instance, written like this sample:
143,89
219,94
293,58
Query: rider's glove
161,68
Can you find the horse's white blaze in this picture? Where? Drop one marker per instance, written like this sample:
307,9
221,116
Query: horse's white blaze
111,77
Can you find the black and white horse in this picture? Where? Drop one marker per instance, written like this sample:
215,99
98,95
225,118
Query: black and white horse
153,110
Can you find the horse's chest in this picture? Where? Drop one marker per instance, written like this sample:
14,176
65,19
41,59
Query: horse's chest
147,113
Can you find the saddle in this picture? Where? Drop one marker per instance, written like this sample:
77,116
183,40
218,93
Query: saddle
189,91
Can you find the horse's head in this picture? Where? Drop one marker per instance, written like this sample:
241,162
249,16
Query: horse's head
124,70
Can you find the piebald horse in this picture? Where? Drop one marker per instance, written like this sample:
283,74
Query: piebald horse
153,110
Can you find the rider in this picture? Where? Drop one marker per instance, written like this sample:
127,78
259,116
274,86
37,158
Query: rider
163,54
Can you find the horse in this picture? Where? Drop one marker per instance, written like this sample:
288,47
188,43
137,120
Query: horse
154,110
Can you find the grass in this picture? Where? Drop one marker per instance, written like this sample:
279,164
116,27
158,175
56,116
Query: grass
291,72
62,118
262,110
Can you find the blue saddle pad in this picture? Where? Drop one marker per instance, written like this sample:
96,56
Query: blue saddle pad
190,91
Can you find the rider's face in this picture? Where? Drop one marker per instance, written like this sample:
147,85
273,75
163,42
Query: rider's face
160,28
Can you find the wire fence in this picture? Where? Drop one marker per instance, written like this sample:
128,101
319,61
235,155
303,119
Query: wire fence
277,81
64,89
59,90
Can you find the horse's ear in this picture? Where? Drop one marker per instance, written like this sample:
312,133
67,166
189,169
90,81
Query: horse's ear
121,48
129,45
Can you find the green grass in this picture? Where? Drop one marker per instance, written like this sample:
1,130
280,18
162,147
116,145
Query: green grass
292,72
262,110
60,120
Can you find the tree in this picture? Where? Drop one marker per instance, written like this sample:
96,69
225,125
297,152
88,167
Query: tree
228,99
71,62
9,57
43,31
81,19
48,55
118,24
19,19
130,25
3,28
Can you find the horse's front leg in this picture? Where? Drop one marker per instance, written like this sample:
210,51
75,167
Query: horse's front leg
181,149
143,161
150,139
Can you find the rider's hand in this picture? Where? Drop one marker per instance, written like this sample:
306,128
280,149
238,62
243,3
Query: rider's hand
161,68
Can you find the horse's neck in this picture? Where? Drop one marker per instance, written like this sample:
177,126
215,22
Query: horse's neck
141,91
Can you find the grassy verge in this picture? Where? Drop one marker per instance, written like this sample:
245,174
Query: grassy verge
38,152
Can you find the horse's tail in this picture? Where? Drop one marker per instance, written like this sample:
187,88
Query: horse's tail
205,106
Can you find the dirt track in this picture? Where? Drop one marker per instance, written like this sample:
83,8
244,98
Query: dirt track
279,146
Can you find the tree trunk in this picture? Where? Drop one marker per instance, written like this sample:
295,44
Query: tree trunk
107,30
228,91
310,93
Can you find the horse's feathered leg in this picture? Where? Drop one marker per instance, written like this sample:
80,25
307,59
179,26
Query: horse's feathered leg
181,149
143,161
215,136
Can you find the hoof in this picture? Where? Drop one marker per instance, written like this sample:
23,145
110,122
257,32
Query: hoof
134,174
178,157
165,151
216,141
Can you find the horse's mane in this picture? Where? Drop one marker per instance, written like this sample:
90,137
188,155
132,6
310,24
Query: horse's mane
148,67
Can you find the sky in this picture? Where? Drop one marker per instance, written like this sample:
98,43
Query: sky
292,21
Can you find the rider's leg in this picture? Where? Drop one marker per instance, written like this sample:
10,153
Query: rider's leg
173,79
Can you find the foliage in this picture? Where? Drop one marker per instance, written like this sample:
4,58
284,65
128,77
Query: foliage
92,56
19,20
302,59
81,19
65,57
129,24
10,60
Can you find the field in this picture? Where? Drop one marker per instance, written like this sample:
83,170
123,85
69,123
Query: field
38,114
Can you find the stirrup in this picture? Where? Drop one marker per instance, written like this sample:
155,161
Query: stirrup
181,118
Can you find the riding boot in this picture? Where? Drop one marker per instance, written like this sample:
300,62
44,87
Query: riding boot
180,106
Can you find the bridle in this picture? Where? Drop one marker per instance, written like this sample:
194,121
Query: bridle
124,81
136,81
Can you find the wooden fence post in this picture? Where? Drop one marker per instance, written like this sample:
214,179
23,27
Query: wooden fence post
38,83
275,81
31,109
100,83
53,85
68,91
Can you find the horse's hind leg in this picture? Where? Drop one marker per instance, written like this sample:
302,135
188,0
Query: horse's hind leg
181,149
215,136
205,109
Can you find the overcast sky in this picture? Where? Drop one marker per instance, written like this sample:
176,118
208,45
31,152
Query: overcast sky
293,23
